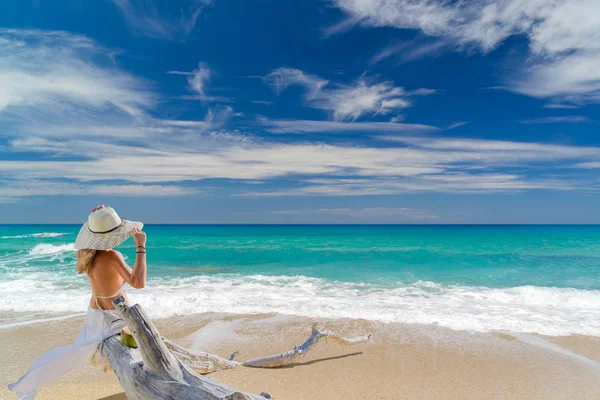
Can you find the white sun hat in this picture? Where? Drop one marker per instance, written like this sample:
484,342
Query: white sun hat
104,230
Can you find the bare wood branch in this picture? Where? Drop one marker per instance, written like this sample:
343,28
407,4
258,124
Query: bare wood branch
206,363
279,360
152,372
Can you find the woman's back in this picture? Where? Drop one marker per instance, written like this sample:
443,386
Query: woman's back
105,279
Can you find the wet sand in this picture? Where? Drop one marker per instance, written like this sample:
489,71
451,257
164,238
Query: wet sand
399,362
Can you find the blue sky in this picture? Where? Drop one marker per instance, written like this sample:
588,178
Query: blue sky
338,111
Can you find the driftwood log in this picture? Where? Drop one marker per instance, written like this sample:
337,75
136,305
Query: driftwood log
161,369
152,372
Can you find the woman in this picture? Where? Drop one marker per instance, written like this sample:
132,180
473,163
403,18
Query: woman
108,274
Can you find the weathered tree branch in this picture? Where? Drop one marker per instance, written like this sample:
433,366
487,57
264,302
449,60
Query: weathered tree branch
279,360
161,369
152,372
206,363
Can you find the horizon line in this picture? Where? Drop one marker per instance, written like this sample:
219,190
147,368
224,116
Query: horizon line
320,224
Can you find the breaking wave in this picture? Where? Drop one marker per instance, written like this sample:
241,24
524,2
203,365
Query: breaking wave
544,310
47,249
35,235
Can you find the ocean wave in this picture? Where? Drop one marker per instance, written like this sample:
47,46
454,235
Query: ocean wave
544,310
35,235
48,249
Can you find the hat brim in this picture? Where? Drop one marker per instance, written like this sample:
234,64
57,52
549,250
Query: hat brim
86,239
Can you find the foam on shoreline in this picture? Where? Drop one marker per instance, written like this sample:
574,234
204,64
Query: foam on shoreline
530,309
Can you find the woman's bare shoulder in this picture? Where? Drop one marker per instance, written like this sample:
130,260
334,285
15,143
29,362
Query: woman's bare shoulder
110,256
115,254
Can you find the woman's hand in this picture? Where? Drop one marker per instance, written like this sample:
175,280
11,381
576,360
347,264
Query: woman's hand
139,237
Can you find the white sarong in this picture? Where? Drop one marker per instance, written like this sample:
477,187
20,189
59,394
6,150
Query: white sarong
50,366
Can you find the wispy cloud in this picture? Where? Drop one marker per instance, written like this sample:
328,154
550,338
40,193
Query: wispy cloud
145,18
573,77
419,165
461,183
54,72
61,96
345,101
198,81
11,190
284,77
560,106
573,119
588,165
99,132
564,41
263,102
457,124
411,50
308,126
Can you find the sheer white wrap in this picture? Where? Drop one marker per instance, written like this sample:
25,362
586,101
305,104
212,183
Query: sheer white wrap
47,368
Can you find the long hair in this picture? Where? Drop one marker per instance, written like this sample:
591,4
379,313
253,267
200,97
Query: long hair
85,257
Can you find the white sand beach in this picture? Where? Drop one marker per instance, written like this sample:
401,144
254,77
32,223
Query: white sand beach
399,362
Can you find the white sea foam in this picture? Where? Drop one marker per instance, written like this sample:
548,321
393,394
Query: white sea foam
35,235
550,311
46,249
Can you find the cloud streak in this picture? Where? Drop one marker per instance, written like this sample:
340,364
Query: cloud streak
407,51
44,69
345,102
98,132
145,18
564,39
568,119
198,81
417,165
12,190
308,126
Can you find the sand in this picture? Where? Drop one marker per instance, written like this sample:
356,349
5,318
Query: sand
400,362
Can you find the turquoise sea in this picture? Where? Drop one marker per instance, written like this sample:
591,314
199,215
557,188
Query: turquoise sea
543,279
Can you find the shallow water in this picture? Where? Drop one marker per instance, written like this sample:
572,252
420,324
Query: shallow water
541,279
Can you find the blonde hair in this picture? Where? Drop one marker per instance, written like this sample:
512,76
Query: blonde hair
85,257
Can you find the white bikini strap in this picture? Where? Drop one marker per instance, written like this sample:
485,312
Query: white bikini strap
118,292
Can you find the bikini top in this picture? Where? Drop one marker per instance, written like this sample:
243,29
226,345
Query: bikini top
118,292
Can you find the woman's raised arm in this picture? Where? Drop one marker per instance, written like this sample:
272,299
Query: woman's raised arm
135,277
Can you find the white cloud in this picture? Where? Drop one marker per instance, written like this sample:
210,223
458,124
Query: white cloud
349,102
407,51
343,101
467,183
198,80
497,151
419,165
558,119
283,77
56,72
263,102
145,18
308,126
564,39
560,106
100,128
573,77
552,26
588,165
218,115
14,189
